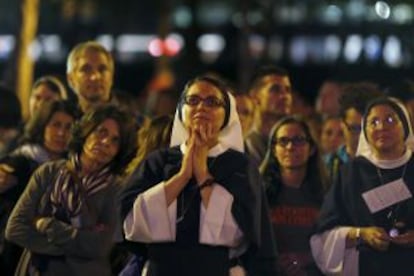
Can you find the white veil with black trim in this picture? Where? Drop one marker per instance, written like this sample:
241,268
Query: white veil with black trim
230,136
365,149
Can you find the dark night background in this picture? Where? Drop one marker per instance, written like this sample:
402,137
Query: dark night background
313,39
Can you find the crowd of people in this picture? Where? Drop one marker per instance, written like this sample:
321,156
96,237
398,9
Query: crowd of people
257,182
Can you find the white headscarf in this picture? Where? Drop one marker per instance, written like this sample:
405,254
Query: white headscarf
229,137
365,149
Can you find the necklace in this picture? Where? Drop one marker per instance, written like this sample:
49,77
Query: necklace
380,174
184,209
392,216
181,201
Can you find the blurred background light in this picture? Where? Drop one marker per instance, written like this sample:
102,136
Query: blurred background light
107,41
210,46
298,50
356,10
211,13
392,51
276,48
332,14
382,9
7,44
257,45
353,48
402,13
372,48
332,48
182,17
35,50
133,43
155,47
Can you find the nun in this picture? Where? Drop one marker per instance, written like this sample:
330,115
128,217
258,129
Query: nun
199,206
366,225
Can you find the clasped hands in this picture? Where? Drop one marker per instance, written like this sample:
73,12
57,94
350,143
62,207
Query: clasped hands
201,138
378,238
7,179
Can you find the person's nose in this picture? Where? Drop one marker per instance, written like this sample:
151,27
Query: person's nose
381,125
289,145
201,104
60,131
95,74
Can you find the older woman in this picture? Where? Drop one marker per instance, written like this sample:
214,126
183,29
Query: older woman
67,214
367,220
295,181
199,205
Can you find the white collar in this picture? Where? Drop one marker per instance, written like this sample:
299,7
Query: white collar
391,164
213,152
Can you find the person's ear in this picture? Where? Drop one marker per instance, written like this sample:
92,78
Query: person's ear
69,78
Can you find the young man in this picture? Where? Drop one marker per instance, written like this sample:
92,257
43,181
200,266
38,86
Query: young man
272,91
353,102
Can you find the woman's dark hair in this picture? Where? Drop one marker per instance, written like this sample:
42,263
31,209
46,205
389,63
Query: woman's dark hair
358,95
127,130
394,104
221,86
265,71
35,128
155,135
54,85
316,177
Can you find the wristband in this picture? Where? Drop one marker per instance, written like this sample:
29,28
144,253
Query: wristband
358,233
358,238
206,183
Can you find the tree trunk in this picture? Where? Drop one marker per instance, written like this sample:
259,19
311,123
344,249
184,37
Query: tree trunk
25,63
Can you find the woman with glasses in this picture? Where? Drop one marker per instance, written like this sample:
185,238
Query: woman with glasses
198,206
295,180
367,219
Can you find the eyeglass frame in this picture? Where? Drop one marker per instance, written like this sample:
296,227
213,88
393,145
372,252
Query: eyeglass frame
218,102
389,121
354,128
297,141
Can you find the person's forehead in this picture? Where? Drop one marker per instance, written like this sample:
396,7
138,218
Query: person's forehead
381,110
204,88
245,100
110,124
275,79
92,55
289,128
352,113
43,89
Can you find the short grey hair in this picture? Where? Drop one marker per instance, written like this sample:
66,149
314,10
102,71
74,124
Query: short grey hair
80,48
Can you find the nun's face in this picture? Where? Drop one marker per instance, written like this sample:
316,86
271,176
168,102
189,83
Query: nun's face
203,107
384,130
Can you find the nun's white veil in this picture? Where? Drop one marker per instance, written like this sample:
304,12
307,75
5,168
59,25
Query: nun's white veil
365,149
230,136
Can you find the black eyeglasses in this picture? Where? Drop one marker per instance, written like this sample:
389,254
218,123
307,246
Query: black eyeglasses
295,140
388,121
210,101
355,128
